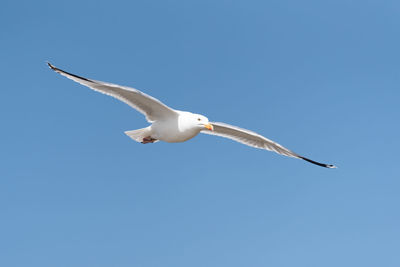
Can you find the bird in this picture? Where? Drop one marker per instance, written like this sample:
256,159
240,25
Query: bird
173,126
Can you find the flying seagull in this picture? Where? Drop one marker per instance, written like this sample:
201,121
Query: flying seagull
172,126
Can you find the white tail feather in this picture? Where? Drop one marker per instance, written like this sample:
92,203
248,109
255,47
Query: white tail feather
139,134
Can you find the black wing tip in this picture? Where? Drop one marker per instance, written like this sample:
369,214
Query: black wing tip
330,166
51,66
60,71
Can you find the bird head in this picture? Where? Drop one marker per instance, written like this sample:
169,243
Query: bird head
202,122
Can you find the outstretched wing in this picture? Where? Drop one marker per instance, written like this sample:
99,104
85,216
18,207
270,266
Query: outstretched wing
151,107
253,139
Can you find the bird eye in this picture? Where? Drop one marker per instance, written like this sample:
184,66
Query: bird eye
199,119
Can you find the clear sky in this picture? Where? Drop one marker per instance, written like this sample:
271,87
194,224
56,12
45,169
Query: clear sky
319,77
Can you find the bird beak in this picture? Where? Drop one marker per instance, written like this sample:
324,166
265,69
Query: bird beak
209,127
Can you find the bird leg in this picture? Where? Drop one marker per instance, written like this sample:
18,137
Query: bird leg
148,139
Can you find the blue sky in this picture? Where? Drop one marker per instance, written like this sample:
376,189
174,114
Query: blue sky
319,77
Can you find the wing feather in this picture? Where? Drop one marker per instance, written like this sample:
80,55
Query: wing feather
149,106
256,140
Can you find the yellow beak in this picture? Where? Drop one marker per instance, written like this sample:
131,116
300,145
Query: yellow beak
209,127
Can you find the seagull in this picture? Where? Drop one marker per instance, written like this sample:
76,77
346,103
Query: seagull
173,126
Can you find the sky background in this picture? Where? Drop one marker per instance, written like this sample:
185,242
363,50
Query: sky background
319,77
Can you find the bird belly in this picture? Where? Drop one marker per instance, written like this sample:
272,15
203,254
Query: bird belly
168,132
176,136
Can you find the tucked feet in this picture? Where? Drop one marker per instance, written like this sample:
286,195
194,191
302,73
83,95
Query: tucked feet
148,139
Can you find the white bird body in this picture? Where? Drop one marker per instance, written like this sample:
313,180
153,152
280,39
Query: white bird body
176,129
173,126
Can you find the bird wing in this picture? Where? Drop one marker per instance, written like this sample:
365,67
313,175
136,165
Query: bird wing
151,107
253,139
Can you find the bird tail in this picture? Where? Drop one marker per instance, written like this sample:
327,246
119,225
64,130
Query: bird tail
139,134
